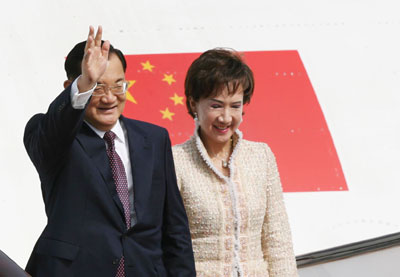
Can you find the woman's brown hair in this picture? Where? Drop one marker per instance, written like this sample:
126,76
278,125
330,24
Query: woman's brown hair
214,70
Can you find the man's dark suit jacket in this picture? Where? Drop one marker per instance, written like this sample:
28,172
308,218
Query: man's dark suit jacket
86,233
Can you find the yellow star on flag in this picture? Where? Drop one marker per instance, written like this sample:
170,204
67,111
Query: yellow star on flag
169,78
148,66
129,96
177,99
167,114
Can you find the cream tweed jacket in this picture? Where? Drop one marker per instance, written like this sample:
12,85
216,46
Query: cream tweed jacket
238,224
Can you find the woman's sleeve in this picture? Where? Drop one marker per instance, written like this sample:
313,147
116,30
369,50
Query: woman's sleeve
276,237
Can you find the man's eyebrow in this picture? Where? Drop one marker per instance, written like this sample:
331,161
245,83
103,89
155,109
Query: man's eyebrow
116,81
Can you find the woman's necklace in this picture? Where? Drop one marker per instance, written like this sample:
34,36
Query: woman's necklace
224,161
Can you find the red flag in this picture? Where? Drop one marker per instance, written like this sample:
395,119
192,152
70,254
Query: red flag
284,112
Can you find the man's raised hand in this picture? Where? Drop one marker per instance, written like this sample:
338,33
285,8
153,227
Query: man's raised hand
95,60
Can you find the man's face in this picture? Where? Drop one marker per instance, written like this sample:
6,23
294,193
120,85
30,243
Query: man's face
103,111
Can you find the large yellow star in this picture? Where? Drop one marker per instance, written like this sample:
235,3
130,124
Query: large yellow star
167,114
177,99
129,96
169,78
148,66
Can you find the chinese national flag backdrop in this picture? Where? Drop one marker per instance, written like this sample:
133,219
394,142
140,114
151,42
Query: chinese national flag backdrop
284,112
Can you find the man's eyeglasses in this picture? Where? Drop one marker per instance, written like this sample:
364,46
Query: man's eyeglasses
117,89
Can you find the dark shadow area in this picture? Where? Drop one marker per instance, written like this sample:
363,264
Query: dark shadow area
8,268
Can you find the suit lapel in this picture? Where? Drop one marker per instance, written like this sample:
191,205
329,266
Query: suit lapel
141,156
96,149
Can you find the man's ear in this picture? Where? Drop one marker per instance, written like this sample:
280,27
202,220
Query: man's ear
67,83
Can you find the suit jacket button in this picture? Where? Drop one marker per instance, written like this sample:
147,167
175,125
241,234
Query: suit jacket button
116,261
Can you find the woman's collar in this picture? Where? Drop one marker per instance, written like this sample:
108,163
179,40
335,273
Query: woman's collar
237,139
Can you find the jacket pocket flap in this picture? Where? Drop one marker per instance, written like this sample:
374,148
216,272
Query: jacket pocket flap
57,248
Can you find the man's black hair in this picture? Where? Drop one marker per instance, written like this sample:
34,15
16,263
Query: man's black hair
73,61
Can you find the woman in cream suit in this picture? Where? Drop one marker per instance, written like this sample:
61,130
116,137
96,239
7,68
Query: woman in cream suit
230,186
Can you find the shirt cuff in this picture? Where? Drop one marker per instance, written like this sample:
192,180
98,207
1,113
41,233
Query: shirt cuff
79,100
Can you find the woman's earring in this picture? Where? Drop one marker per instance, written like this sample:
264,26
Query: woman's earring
196,121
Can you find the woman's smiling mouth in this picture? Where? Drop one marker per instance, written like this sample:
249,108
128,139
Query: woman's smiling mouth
220,129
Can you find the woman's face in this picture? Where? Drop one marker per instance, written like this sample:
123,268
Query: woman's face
219,116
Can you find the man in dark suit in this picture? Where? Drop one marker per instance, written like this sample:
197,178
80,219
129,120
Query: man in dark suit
108,182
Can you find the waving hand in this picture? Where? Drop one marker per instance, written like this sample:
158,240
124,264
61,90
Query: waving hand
95,60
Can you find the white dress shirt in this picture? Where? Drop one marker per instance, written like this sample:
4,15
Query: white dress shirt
78,101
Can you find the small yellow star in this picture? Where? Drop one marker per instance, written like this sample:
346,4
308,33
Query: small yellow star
129,96
148,66
169,78
167,114
177,99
